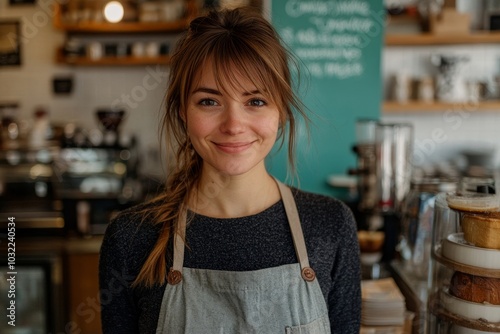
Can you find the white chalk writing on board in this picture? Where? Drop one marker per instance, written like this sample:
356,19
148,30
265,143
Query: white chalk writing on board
332,35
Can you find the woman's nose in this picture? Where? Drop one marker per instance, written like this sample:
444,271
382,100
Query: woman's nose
233,120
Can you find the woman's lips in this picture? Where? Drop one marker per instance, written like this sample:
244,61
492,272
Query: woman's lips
233,147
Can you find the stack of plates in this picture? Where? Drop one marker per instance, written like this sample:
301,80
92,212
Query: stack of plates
382,303
457,249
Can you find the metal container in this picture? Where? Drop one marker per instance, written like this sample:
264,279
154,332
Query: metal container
393,144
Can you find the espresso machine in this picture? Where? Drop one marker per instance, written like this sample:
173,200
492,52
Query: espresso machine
383,172
98,174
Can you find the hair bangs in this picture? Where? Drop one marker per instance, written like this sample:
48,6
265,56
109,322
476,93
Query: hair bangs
232,56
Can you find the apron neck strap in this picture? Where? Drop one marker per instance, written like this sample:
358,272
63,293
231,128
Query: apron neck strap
294,222
179,244
175,274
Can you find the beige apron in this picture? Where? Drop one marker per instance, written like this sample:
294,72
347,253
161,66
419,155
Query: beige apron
285,299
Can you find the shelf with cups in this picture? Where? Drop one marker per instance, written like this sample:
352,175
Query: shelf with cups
448,89
61,58
460,36
418,106
124,27
141,37
168,17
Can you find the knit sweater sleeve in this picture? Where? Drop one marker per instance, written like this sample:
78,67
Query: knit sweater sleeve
118,311
345,316
333,249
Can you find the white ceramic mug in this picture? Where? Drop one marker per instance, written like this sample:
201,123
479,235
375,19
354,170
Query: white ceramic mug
152,49
426,89
138,49
95,50
402,87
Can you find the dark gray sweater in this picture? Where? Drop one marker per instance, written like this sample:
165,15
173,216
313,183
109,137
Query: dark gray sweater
255,242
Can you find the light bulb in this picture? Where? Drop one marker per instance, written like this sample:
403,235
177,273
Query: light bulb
113,11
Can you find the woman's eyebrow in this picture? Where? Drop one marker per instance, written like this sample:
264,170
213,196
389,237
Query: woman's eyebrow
253,92
207,90
216,92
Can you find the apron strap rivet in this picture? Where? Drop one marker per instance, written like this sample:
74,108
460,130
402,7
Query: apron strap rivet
174,277
308,274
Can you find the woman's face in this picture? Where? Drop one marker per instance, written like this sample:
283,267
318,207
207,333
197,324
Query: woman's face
233,127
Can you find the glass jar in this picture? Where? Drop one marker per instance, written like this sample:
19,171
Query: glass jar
464,285
416,224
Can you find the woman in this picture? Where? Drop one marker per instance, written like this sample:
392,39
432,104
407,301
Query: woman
227,248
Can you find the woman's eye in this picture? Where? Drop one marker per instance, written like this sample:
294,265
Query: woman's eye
257,103
207,102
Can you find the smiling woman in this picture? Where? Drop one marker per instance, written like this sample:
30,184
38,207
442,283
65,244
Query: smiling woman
227,248
232,128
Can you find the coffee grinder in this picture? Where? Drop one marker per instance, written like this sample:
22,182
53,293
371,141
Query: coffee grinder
384,173
366,165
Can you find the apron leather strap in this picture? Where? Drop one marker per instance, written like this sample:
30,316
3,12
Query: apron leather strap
175,274
297,234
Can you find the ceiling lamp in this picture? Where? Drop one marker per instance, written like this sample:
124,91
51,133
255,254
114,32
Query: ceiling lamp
113,11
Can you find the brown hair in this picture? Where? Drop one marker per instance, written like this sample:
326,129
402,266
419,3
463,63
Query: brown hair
239,38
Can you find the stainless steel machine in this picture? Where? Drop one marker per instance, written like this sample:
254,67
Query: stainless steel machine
68,185
94,183
384,173
27,191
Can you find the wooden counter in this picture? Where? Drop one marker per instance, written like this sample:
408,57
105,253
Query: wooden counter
415,292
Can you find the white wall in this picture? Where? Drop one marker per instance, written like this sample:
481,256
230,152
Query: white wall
94,87
441,135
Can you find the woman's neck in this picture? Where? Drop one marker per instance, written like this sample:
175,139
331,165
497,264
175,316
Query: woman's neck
222,196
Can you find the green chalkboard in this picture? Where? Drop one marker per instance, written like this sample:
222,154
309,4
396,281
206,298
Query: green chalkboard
339,44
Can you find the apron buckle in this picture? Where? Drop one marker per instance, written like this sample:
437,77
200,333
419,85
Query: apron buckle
308,274
174,276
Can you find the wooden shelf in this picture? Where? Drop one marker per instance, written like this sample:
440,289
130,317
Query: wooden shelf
414,106
123,27
485,37
117,61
